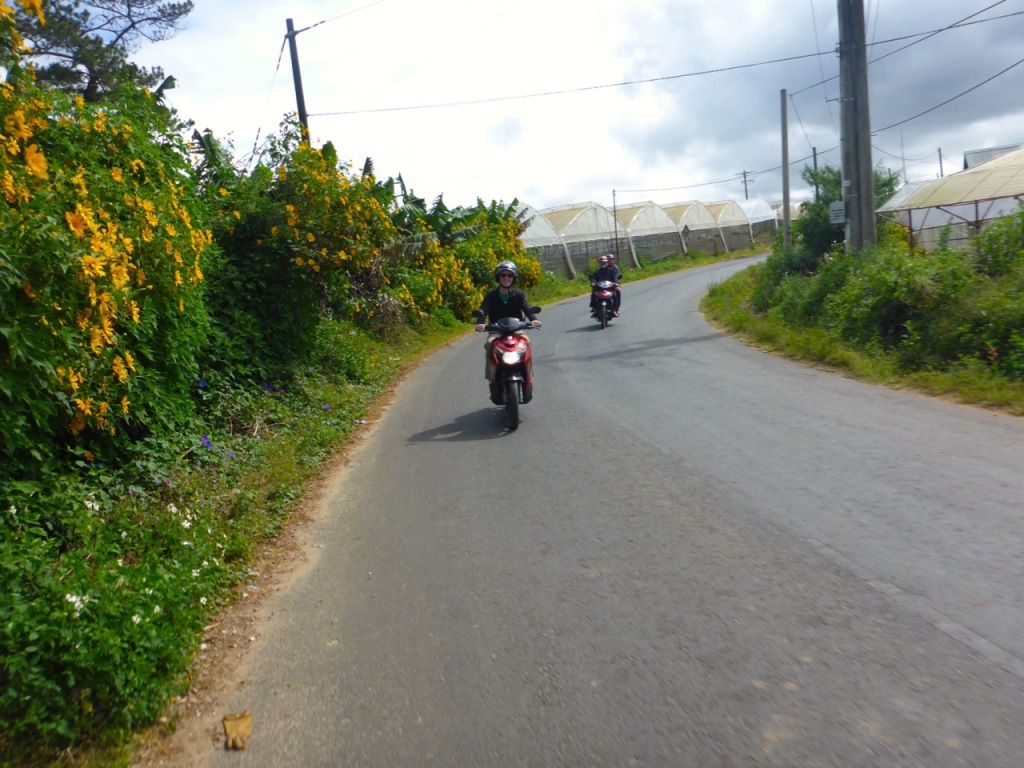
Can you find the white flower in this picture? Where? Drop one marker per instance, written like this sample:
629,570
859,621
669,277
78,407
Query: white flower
136,619
124,534
186,523
157,609
13,510
195,573
172,509
202,601
92,505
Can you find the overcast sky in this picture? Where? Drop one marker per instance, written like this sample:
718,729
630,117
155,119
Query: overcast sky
503,99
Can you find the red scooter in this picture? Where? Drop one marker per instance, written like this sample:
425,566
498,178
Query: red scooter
604,301
512,361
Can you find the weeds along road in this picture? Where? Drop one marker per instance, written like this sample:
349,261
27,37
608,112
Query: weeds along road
690,553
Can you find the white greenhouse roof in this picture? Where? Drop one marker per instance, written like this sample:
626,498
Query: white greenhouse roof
728,214
539,231
1001,178
645,219
756,210
584,221
691,214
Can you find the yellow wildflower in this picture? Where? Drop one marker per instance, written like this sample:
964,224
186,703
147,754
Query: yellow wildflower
76,223
223,192
117,175
84,406
96,340
10,193
124,404
77,423
133,310
36,7
35,161
16,126
120,371
92,266
170,230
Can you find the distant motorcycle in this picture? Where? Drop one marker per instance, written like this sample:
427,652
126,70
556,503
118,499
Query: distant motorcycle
512,359
604,301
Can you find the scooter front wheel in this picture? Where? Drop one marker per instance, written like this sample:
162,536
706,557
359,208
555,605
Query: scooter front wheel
512,403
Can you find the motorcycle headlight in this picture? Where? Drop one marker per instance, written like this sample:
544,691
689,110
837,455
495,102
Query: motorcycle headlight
511,358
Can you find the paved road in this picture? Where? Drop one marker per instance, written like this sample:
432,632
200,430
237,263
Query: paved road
689,554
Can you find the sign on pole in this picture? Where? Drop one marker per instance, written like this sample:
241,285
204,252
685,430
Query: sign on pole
837,212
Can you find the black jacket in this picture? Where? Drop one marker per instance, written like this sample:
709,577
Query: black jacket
607,273
516,306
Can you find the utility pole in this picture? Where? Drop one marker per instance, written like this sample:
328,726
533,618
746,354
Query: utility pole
786,238
858,172
746,196
300,99
941,174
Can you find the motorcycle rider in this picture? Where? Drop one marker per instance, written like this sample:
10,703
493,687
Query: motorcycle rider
503,301
607,270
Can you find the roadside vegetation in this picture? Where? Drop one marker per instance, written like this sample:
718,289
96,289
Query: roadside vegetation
949,322
186,343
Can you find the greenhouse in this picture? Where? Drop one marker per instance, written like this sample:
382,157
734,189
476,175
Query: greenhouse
543,242
959,205
697,226
651,231
733,224
588,231
760,216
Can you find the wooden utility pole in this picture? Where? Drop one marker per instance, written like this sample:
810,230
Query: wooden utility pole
858,171
786,237
300,99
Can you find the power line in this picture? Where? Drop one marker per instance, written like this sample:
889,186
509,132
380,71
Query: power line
584,89
964,22
571,90
953,98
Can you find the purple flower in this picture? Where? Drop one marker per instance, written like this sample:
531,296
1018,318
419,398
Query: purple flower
202,383
268,387
327,406
206,442
231,454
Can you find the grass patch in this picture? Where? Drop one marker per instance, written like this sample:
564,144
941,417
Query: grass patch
727,306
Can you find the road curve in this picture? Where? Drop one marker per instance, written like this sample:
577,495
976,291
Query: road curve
691,553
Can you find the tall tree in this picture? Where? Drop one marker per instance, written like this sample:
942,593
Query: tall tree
84,46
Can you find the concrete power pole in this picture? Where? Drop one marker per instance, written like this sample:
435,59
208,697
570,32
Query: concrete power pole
858,171
787,239
300,99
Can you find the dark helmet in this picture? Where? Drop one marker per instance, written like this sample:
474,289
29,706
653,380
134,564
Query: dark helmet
506,266
610,257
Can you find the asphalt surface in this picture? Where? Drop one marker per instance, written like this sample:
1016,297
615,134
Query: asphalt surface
690,553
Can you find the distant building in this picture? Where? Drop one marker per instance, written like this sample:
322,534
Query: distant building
973,157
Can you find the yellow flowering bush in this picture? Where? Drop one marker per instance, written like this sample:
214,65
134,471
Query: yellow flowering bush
295,233
101,261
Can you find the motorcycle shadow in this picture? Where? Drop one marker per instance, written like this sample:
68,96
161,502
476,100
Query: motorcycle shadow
482,424
594,326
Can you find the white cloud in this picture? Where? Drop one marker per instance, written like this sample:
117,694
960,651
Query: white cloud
662,140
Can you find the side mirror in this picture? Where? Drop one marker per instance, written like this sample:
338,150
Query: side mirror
535,310
479,315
